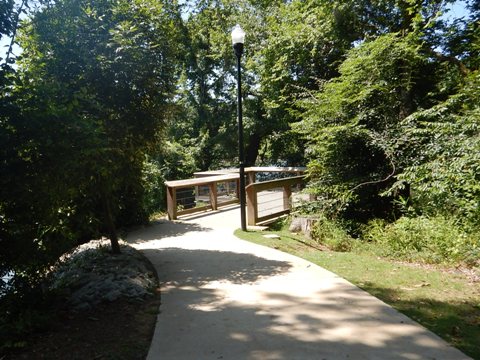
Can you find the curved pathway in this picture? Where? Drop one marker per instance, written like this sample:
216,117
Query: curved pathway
225,298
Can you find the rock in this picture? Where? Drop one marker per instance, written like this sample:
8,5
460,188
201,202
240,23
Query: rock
295,225
90,275
113,295
303,224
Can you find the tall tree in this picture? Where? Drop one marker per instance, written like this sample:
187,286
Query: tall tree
207,90
353,123
304,45
441,146
353,120
93,91
440,143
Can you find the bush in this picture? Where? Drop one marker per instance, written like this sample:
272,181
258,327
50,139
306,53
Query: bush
430,240
23,310
332,235
154,197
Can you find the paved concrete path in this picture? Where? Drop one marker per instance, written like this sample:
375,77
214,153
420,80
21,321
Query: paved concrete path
225,298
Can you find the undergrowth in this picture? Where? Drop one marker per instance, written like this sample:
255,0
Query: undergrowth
430,240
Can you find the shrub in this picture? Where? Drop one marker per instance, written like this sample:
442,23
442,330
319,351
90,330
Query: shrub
154,187
23,310
430,240
331,234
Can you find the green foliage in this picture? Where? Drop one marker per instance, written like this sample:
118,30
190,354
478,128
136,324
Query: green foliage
206,116
174,162
89,100
154,186
331,234
442,145
177,161
352,123
6,21
424,239
305,41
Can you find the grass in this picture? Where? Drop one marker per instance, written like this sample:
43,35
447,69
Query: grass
444,301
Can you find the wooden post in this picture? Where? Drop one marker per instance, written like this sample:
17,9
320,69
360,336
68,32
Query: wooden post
251,177
172,203
213,195
287,193
252,208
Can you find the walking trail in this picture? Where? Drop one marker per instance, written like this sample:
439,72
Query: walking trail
225,298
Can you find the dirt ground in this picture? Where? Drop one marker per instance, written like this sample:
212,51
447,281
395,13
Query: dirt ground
120,330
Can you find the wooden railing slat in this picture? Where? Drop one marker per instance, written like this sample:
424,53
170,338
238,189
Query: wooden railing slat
200,181
272,184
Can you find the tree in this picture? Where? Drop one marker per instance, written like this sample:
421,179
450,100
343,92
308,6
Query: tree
301,46
207,106
352,123
442,144
206,120
304,45
356,124
270,85
90,99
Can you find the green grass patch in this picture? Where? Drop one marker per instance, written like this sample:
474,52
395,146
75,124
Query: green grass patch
445,302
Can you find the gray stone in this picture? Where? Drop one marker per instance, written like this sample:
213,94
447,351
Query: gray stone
91,275
303,225
113,295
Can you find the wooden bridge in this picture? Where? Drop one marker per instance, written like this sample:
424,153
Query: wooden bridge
211,190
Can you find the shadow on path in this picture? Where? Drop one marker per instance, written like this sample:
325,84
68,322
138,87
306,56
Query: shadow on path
222,305
196,267
161,229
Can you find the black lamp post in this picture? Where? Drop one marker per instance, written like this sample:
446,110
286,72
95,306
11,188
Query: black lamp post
238,37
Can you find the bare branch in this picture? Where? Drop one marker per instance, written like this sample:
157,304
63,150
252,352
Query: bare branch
378,181
23,4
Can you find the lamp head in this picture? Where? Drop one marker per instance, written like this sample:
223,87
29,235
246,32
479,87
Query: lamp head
238,35
238,38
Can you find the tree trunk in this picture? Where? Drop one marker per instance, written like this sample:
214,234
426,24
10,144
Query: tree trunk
252,149
110,224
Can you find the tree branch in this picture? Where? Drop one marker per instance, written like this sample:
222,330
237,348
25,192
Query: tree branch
451,59
377,181
14,31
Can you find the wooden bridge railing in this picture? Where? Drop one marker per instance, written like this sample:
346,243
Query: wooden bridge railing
212,179
254,206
